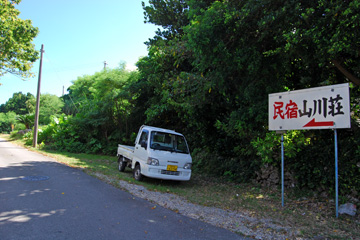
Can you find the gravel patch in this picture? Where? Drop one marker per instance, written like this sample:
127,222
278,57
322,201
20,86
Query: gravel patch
241,223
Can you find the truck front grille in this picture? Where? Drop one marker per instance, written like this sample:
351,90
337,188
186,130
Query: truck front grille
170,173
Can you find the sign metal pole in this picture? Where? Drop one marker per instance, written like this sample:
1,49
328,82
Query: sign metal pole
282,170
336,175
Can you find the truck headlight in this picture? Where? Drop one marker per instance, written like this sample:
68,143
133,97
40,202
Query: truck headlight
187,166
153,161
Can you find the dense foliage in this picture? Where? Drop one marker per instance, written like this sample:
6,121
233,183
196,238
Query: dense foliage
101,113
215,63
21,108
7,121
18,103
208,73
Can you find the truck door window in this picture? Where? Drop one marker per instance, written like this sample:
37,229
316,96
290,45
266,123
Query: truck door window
144,137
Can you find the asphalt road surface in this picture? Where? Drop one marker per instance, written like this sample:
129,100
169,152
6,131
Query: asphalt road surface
43,199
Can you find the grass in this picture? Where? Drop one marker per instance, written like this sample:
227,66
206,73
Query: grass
311,217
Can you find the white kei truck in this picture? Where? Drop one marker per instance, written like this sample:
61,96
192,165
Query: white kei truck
158,153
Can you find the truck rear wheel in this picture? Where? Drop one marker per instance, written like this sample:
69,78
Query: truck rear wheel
122,164
137,173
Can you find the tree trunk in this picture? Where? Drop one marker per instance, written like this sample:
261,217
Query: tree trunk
347,74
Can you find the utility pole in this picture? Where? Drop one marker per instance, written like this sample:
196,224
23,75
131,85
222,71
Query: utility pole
36,124
105,63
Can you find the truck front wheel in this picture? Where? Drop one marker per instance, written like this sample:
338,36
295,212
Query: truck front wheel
137,173
122,164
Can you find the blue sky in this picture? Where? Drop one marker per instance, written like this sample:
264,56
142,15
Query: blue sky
78,36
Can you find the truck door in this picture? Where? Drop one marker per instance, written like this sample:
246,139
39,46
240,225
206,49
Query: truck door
140,153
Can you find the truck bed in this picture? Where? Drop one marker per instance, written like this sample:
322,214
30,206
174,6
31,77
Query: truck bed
126,151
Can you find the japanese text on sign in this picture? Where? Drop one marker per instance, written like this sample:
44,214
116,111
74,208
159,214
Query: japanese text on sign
315,108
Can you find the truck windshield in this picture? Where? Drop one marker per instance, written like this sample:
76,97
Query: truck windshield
168,142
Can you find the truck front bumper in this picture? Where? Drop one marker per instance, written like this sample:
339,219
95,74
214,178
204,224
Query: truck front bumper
161,173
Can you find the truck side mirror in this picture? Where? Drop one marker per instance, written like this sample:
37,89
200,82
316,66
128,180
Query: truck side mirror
143,144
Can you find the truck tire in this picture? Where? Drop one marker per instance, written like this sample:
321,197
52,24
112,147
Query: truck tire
137,173
122,164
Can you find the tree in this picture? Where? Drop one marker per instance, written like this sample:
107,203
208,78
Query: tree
17,52
167,58
102,106
27,120
322,33
7,121
69,105
170,15
18,103
50,105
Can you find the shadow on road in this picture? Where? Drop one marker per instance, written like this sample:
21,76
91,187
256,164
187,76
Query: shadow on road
28,189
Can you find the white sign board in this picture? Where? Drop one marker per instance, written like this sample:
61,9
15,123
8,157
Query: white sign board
314,108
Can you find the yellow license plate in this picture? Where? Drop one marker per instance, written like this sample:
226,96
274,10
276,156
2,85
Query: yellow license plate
172,168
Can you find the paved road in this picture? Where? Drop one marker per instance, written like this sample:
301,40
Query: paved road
42,199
